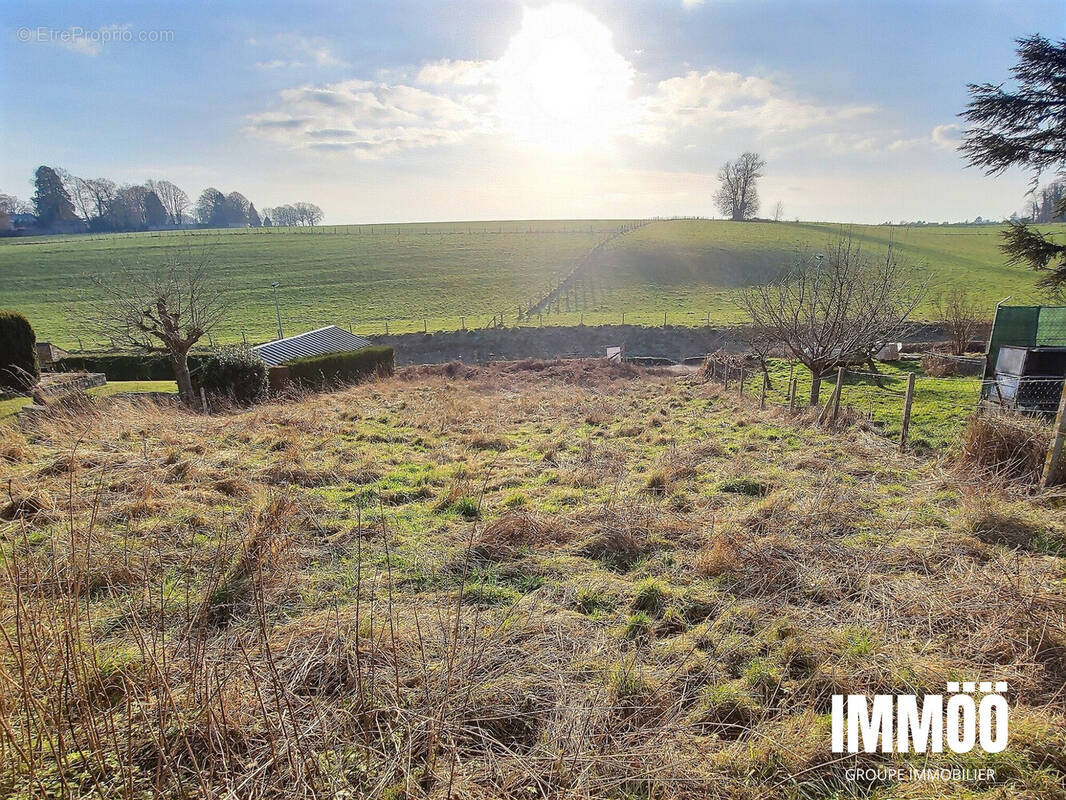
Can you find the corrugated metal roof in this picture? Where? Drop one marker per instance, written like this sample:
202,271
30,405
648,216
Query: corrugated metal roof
329,339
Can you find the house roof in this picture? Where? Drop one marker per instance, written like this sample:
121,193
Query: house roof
329,339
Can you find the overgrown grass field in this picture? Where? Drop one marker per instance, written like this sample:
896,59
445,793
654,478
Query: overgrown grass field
565,580
442,276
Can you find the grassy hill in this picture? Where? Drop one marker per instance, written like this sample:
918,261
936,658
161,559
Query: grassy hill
362,275
535,580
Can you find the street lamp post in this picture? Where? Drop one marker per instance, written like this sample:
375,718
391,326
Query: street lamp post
277,308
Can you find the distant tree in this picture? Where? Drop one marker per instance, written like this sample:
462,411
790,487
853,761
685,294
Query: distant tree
11,205
5,221
210,208
127,210
833,309
1024,127
779,211
155,216
307,213
1048,203
235,210
284,216
174,200
80,195
103,192
737,196
164,309
51,199
253,216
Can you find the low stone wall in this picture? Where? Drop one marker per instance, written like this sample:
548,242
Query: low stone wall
61,384
674,343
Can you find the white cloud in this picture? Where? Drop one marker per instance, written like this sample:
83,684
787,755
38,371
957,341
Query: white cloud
731,100
690,4
682,121
293,51
942,137
367,118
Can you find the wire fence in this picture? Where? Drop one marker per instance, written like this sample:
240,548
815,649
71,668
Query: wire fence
898,401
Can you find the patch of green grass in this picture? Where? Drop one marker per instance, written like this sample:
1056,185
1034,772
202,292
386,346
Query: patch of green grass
133,387
651,595
748,487
637,627
939,409
444,275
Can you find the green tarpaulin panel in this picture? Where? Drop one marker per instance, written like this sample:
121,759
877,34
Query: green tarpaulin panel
1015,325
1051,327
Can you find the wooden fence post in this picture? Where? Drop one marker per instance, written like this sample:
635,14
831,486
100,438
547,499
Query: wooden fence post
386,327
762,395
740,388
836,394
203,399
907,400
792,395
1053,463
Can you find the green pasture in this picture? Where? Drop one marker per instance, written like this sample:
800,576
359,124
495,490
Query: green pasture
442,276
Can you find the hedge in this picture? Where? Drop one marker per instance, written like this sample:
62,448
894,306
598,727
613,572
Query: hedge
342,367
234,373
126,366
19,369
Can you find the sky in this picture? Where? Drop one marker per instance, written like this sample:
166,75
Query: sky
397,110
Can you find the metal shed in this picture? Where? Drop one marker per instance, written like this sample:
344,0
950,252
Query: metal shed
329,339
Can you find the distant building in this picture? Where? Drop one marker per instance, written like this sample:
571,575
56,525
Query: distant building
329,339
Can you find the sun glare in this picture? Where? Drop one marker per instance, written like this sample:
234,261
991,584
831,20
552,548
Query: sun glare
563,86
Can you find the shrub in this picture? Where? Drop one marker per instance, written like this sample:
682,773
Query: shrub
235,373
344,367
19,369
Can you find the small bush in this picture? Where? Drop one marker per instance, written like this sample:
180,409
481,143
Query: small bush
19,369
235,373
323,371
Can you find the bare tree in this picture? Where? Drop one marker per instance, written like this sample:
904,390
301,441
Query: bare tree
103,192
737,196
80,194
835,308
779,211
165,309
961,315
173,198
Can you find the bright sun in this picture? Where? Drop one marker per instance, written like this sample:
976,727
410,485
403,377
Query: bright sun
562,84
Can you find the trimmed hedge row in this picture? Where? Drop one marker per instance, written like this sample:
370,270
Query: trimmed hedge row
344,367
19,369
126,366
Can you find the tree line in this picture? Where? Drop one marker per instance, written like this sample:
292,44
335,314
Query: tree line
66,203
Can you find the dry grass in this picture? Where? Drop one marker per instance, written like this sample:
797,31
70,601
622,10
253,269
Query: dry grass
1005,447
364,594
